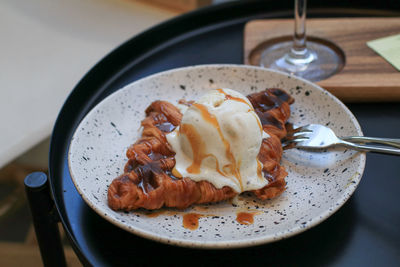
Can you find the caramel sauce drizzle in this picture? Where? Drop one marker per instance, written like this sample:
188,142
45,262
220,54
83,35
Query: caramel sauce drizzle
246,218
229,97
217,164
197,144
198,147
191,221
234,169
259,170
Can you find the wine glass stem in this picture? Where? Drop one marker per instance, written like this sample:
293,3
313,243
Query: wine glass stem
299,39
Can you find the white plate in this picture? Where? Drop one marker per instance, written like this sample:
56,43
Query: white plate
318,183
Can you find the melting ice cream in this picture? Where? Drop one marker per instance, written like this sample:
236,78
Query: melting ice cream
218,140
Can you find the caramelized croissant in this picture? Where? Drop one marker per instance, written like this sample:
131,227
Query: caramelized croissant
148,182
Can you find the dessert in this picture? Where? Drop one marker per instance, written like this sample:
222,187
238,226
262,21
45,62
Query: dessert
205,151
218,141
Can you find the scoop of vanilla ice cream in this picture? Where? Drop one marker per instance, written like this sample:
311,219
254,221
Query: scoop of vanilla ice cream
218,141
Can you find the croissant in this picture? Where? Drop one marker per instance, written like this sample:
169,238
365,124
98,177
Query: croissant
148,181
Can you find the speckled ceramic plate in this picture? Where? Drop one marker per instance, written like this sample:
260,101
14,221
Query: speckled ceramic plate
318,183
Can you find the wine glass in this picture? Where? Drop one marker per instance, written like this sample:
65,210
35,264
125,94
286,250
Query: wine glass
313,60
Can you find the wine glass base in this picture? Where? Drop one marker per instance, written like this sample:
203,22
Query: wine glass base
321,62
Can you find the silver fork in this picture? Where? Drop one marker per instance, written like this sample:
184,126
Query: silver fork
315,136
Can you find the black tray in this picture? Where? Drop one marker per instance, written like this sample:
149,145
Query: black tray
363,232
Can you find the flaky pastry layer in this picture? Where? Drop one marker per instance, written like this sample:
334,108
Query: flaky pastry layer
148,182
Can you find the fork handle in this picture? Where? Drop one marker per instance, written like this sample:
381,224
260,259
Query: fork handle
363,139
370,148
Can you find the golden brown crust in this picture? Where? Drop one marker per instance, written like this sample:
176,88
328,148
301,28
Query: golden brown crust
148,183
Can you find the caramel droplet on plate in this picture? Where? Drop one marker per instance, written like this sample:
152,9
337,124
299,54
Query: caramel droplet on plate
245,218
191,221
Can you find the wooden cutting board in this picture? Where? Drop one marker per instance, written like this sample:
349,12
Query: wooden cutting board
365,77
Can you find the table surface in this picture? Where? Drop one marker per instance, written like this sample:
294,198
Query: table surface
46,47
364,232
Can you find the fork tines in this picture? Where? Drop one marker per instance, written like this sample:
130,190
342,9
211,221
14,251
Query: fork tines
294,136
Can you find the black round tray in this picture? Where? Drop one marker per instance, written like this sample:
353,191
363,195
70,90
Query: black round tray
363,232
